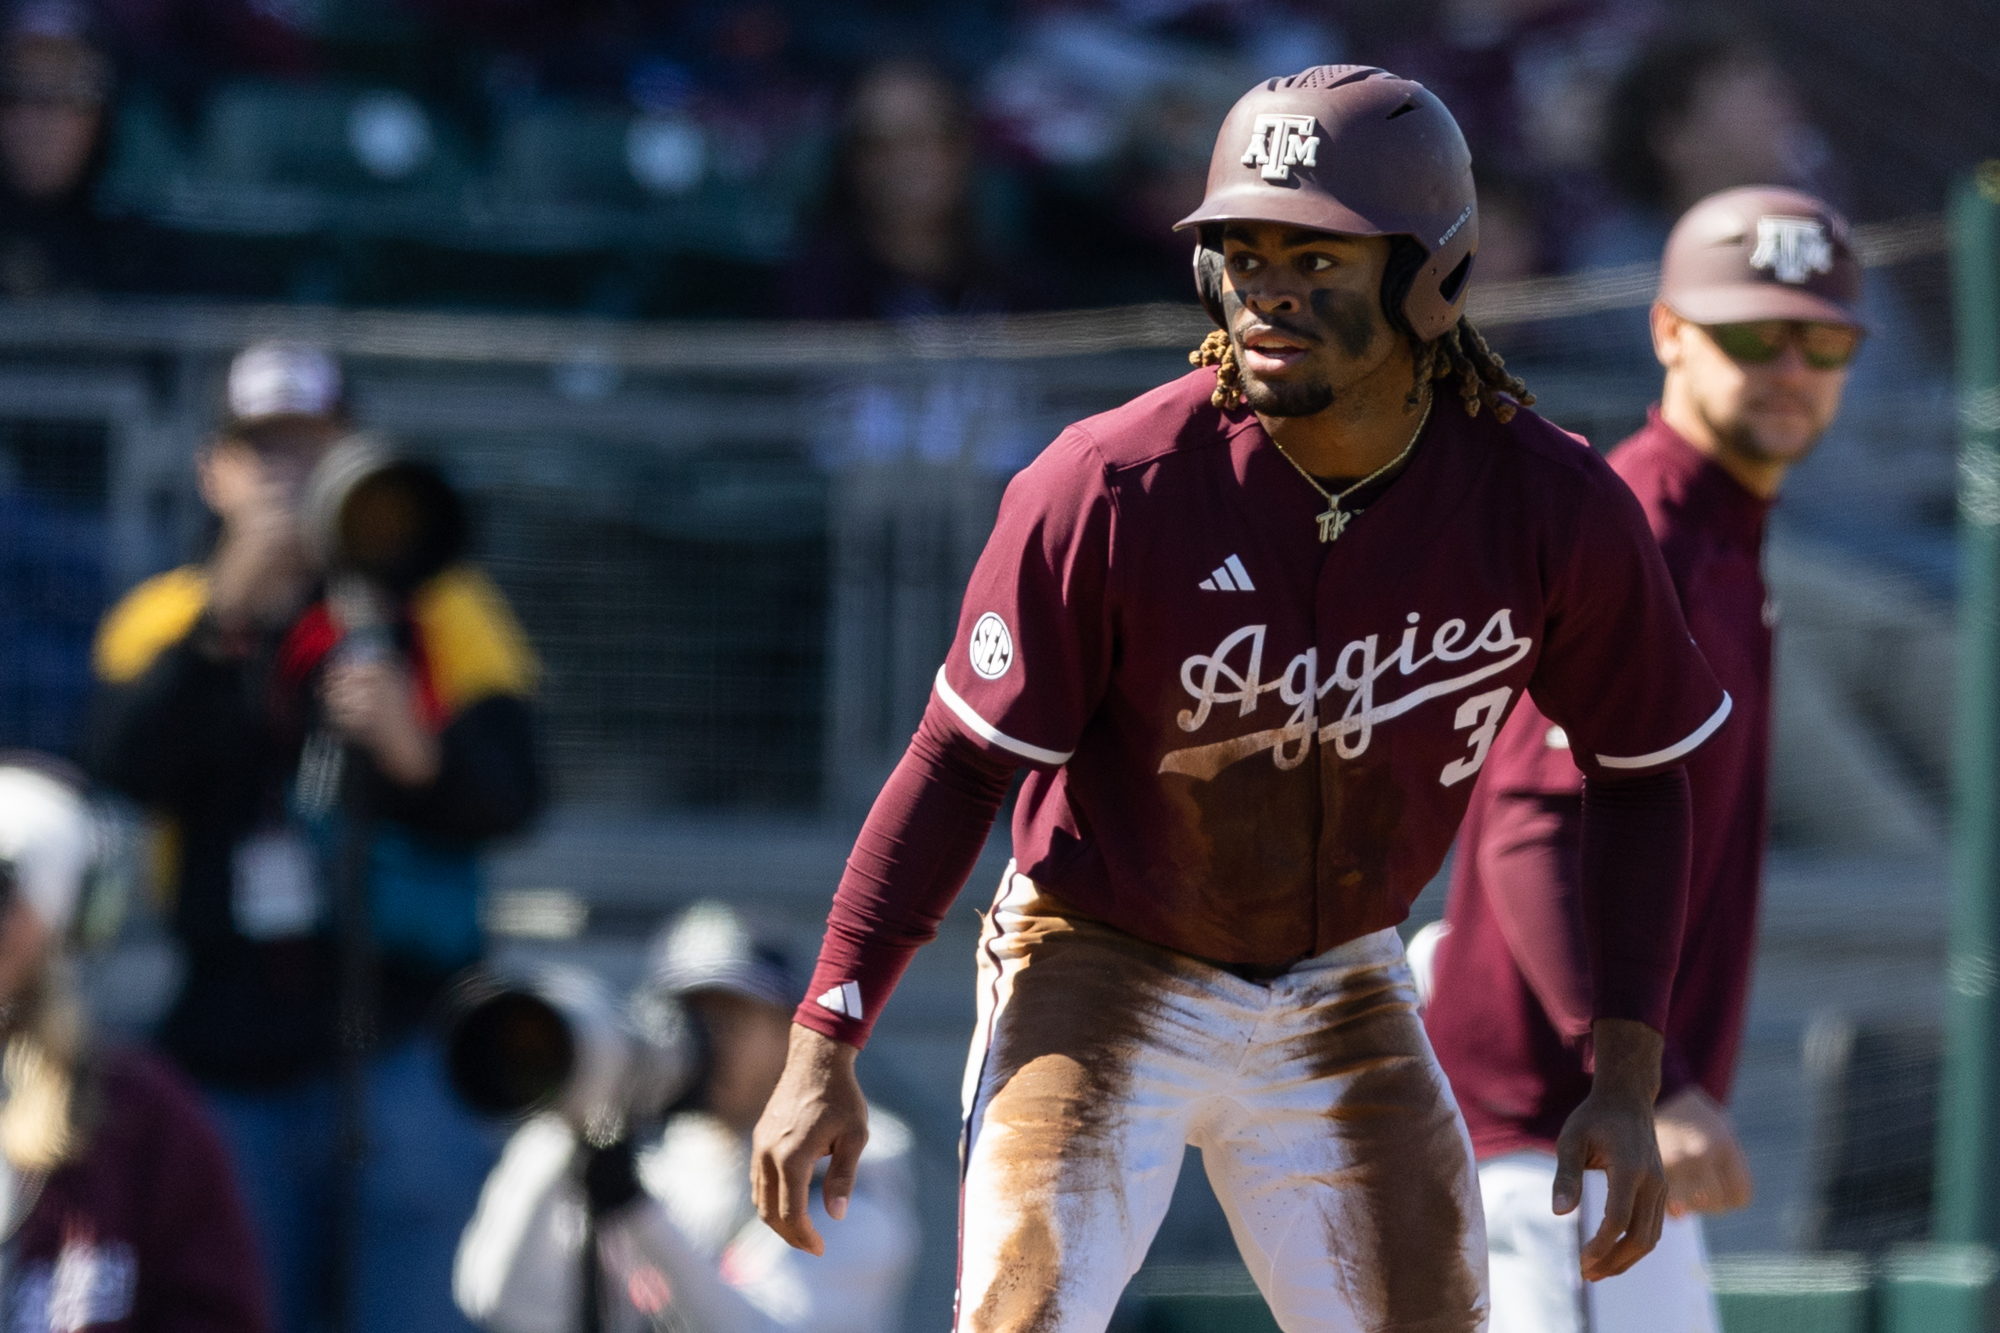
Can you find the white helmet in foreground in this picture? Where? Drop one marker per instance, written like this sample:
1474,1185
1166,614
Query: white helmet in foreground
48,839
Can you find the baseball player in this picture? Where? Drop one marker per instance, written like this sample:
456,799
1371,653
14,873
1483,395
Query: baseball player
1755,323
1251,635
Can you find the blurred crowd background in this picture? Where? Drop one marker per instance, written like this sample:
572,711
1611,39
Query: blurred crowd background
459,168
581,255
675,158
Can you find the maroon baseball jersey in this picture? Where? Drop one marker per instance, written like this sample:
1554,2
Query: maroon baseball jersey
1251,746
1512,997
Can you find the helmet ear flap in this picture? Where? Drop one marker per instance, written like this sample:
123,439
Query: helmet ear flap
1406,263
1208,273
1436,298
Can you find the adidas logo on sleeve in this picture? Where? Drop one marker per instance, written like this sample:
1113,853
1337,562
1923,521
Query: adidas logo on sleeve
844,999
1229,576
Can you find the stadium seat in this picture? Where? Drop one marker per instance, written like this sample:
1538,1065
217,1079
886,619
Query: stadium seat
331,138
146,155
375,167
553,152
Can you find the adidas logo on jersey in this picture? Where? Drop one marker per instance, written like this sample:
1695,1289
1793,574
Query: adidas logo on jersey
842,999
1229,576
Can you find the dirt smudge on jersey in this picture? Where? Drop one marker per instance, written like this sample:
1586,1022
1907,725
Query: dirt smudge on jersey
1059,1078
1401,1211
1363,828
1257,832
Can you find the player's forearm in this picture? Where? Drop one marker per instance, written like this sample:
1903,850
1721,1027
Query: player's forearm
912,857
1626,1061
1634,876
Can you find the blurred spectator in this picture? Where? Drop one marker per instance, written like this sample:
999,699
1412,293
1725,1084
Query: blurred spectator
897,238
1528,80
238,701
54,85
1509,239
1115,108
181,48
56,128
1156,180
122,1209
679,1240
1697,112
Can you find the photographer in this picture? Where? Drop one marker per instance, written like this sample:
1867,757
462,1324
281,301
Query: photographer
325,774
121,1212
677,1233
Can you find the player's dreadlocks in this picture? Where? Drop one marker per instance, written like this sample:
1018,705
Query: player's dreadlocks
1461,354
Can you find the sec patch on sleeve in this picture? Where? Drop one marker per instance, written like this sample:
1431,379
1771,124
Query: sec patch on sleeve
992,647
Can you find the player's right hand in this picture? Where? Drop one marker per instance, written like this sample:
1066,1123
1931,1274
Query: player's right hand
1613,1132
817,1111
1706,1169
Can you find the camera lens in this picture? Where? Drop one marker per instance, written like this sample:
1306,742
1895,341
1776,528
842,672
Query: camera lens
400,525
511,1054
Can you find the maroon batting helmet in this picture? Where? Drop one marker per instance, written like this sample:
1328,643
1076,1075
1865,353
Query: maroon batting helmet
1356,150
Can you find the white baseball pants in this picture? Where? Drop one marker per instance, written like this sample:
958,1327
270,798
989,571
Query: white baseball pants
1537,1287
1327,1129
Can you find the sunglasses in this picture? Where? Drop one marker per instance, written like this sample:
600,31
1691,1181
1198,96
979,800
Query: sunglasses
1824,346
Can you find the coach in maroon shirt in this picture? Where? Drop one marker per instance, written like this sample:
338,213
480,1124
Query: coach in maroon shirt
1755,324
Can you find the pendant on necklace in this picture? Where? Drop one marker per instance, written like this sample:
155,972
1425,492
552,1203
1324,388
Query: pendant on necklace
1333,522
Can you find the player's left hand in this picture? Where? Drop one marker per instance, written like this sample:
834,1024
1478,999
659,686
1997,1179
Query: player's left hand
1613,1132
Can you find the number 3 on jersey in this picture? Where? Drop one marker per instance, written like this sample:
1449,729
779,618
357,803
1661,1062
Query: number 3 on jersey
1482,712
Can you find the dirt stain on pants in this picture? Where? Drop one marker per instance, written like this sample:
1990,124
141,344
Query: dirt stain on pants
1325,1126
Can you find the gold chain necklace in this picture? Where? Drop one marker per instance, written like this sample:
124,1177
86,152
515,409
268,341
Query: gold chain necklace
1335,520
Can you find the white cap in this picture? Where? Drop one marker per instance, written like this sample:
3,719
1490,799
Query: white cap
48,836
283,380
710,948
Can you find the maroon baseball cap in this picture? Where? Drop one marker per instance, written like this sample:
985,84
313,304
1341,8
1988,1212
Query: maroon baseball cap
1761,252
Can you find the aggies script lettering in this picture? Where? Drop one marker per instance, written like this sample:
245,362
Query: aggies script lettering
1212,681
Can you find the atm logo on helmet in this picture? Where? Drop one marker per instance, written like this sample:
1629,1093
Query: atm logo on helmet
1792,249
1278,143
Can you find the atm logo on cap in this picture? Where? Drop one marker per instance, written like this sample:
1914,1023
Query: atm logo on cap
1278,143
1792,249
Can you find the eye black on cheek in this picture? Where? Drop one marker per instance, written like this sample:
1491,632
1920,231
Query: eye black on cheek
1348,316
